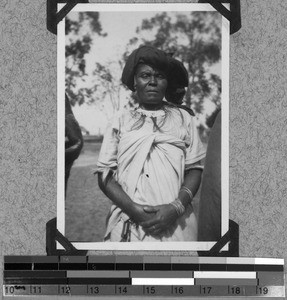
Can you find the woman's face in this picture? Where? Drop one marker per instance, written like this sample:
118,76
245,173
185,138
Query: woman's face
150,85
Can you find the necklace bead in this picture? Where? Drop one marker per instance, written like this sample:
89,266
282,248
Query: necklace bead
151,113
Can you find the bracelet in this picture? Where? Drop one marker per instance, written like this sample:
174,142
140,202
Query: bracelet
180,209
184,188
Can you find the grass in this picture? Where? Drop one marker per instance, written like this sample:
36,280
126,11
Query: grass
86,205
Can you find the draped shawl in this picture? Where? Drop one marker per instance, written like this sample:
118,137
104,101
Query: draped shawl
150,166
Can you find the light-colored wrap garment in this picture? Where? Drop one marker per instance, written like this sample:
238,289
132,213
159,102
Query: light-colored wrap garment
149,165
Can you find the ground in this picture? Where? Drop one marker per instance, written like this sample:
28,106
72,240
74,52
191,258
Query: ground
86,205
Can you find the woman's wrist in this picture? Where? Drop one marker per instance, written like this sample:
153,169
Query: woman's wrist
178,206
185,197
187,192
131,210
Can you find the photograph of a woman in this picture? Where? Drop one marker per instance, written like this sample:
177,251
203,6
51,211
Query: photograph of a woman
143,97
150,162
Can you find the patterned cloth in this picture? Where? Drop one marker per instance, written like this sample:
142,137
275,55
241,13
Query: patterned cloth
149,165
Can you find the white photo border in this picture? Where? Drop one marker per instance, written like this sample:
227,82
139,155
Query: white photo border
168,246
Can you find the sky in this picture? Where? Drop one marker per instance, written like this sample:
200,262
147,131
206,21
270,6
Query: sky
120,27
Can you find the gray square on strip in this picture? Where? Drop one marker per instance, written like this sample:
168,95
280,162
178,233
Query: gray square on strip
126,259
44,290
78,289
110,259
101,289
157,290
271,278
73,259
122,290
157,260
186,290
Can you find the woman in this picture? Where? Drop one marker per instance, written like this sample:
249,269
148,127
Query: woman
150,160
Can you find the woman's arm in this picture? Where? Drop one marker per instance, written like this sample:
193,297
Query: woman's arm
116,194
192,181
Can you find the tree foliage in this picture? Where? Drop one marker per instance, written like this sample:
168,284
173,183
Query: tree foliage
194,39
80,30
108,92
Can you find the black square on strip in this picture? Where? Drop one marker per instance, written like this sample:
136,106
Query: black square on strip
238,267
72,266
212,267
24,266
97,266
46,266
271,268
34,274
123,266
35,281
185,267
157,266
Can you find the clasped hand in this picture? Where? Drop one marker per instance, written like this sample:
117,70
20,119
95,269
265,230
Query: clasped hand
156,219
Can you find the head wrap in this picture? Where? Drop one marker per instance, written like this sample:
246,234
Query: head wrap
177,81
145,54
175,71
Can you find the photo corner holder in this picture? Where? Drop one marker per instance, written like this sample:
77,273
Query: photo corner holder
53,236
231,237
233,15
54,16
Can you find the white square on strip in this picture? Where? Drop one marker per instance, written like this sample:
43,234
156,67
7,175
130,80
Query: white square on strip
162,281
223,274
